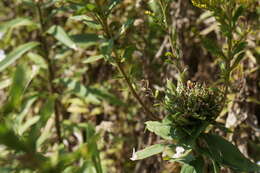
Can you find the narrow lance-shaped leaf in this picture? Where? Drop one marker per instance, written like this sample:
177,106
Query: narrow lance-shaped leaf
16,91
213,48
147,152
26,106
124,27
88,21
237,13
93,59
17,22
60,34
239,47
113,4
237,60
45,113
16,54
89,94
28,124
106,49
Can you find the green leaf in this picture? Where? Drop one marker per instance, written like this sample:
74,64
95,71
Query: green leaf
195,166
86,40
106,49
147,152
253,100
216,166
37,59
79,90
19,84
93,59
160,129
198,164
213,48
238,13
59,33
227,154
89,94
128,52
10,139
113,4
239,47
91,6
170,86
6,170
25,109
88,21
31,121
16,54
46,111
187,169
237,60
125,26
92,147
221,126
15,23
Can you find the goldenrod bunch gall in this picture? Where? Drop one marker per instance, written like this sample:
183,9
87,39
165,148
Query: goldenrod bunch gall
193,104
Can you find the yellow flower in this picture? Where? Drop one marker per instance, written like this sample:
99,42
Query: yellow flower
206,3
199,4
149,13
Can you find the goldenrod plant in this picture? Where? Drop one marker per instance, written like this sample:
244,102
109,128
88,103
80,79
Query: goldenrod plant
193,107
85,82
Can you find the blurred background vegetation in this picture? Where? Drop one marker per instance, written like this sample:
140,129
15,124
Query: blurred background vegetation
65,108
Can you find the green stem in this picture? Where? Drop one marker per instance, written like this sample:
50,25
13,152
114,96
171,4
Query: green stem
121,69
163,8
51,71
215,166
130,85
229,9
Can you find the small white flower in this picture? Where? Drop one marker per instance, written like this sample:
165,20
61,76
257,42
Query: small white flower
258,163
179,152
134,155
2,54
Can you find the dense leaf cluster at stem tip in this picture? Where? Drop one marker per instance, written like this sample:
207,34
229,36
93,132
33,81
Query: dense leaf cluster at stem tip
192,103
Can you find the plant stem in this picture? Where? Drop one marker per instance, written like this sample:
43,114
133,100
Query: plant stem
130,85
229,51
121,69
51,71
